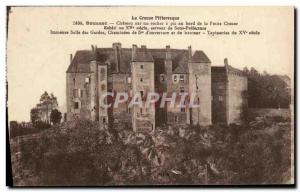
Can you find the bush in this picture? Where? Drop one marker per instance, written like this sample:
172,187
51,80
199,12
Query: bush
82,153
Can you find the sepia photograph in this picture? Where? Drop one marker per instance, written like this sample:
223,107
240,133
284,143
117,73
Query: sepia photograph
150,96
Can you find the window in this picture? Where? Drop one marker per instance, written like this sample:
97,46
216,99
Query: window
176,118
141,79
128,79
141,110
76,105
220,98
104,120
142,66
162,78
102,74
175,78
181,89
102,71
181,77
87,80
182,109
103,87
142,93
80,93
75,93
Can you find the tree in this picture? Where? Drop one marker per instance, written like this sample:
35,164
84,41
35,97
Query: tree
34,115
55,116
46,105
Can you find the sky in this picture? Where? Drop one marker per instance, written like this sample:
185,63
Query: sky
37,61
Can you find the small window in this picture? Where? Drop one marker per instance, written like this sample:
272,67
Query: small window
141,79
176,118
75,93
80,93
162,78
181,77
87,80
142,93
102,71
220,98
103,87
181,89
175,78
102,74
104,120
76,105
142,66
141,110
128,79
182,109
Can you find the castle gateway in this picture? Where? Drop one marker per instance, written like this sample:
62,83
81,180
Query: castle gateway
220,92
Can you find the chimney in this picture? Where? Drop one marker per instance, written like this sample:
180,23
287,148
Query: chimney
71,58
190,52
143,47
168,53
134,49
226,62
117,49
93,48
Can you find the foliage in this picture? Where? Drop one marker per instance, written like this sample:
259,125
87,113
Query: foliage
40,125
34,115
20,129
55,116
82,153
272,90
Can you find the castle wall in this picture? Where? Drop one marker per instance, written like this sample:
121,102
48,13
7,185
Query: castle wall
177,115
78,91
143,119
237,94
122,82
102,89
200,86
219,97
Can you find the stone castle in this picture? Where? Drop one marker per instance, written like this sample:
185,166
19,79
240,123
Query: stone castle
221,91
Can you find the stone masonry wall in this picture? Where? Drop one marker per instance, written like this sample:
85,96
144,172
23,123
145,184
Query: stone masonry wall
237,90
200,86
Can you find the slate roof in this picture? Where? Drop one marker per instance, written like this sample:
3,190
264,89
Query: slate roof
218,69
200,57
80,62
226,69
142,54
233,70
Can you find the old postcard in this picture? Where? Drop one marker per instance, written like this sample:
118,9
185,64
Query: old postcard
123,96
